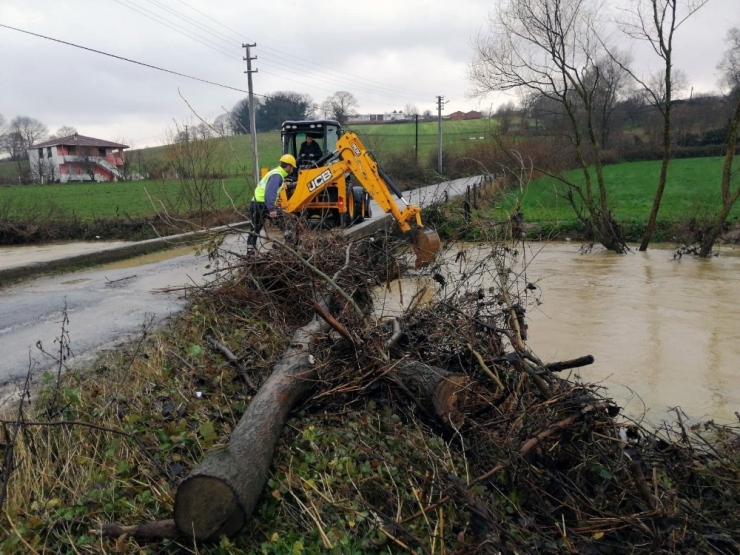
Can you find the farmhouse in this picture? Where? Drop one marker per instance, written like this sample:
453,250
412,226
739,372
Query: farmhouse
76,158
465,115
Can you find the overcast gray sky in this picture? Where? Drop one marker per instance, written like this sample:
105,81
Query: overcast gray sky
388,53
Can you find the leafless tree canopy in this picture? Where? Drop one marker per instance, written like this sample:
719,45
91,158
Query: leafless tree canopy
554,50
22,133
63,131
542,45
730,64
339,106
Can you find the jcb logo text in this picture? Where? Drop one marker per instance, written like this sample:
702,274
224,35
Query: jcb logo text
319,181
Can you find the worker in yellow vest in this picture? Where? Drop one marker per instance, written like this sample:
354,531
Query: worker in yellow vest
265,196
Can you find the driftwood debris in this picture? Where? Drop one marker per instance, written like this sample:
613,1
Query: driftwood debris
232,358
433,389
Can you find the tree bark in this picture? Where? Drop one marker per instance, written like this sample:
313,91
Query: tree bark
728,198
219,495
436,391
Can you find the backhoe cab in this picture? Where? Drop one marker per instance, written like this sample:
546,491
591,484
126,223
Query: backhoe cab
338,185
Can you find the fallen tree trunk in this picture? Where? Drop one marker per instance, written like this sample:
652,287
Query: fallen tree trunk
220,494
433,389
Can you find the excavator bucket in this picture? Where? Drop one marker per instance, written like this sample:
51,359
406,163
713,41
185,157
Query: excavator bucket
426,244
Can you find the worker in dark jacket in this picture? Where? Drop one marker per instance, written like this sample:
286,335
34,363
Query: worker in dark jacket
309,152
265,196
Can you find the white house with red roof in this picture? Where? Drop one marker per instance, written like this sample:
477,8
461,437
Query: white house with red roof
76,158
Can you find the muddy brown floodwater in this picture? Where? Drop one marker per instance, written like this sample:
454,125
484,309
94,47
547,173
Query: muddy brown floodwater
664,333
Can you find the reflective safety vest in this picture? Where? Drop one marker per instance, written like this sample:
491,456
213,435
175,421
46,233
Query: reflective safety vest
259,190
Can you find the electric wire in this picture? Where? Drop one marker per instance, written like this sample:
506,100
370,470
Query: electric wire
177,28
127,59
122,58
240,36
280,62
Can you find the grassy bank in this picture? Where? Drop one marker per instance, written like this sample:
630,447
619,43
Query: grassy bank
135,199
692,195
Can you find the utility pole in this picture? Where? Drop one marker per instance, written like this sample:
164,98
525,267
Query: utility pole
440,103
252,125
416,140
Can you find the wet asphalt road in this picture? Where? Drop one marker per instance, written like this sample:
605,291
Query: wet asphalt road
105,306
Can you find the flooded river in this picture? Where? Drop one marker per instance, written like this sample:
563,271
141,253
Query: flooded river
664,333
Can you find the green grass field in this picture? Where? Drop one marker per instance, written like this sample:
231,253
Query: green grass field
692,191
88,201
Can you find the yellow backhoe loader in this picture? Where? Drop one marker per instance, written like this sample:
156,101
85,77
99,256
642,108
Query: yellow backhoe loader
337,187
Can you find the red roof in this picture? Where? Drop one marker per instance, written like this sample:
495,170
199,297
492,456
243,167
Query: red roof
81,140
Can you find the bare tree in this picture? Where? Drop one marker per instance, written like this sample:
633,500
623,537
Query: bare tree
198,161
339,106
45,171
223,125
89,163
411,110
30,130
3,135
612,82
730,66
551,48
505,115
64,131
656,22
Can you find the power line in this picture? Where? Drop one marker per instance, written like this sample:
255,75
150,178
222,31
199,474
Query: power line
193,22
287,64
150,66
240,36
124,59
175,27
144,64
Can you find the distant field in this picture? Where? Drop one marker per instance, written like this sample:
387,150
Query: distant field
692,190
88,201
382,139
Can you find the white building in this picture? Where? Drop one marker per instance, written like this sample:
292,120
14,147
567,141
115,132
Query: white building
76,158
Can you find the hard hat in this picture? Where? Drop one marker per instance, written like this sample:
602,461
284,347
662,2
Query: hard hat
288,159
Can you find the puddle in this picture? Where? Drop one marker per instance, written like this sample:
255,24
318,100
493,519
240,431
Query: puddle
27,254
149,258
75,281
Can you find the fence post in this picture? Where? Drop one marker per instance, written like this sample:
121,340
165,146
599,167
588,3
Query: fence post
466,204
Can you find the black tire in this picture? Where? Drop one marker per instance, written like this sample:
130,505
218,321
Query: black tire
358,217
359,205
368,211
